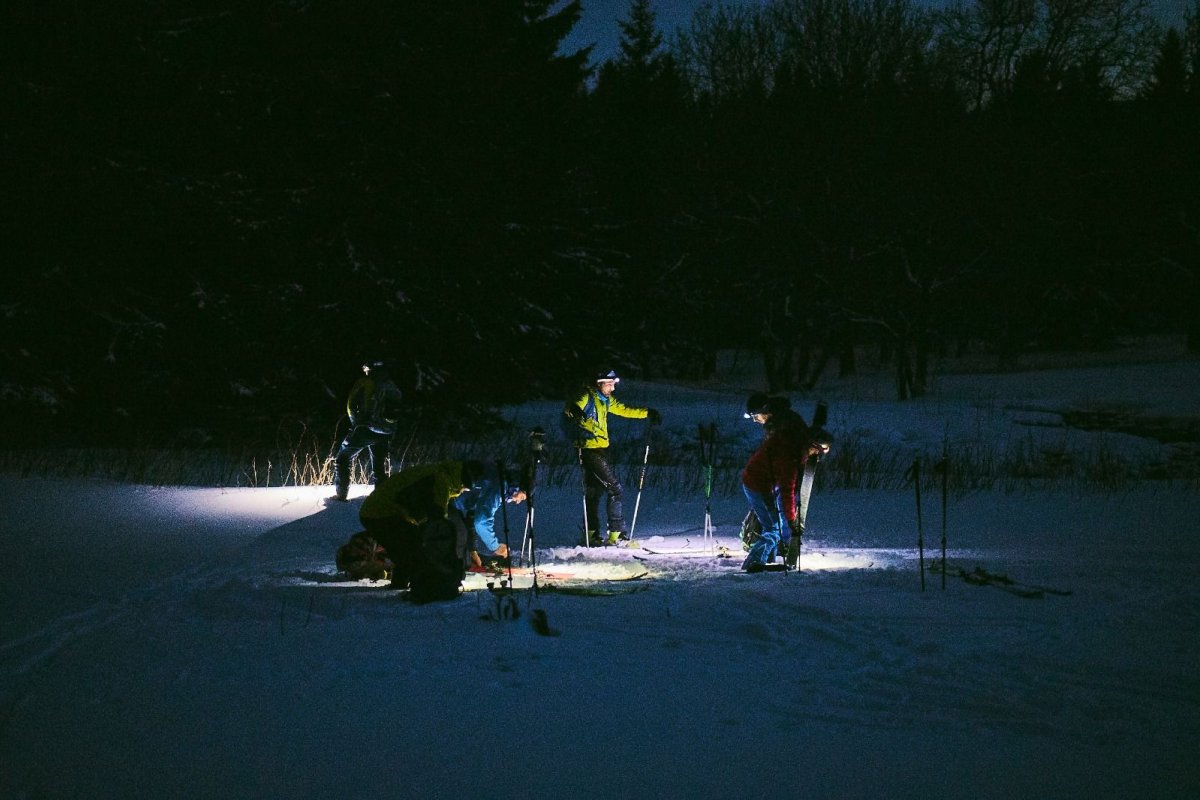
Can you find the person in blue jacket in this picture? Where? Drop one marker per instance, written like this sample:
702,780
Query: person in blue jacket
478,506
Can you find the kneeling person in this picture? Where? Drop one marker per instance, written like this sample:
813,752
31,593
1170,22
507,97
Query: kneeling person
409,515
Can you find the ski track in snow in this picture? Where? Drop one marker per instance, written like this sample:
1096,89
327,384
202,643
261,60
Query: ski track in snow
897,665
209,629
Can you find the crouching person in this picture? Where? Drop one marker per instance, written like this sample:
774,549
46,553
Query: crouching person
409,515
478,506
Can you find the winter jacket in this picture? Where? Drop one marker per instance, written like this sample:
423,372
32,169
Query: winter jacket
415,495
591,430
480,504
777,463
374,403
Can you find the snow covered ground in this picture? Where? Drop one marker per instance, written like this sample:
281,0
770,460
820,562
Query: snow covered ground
184,642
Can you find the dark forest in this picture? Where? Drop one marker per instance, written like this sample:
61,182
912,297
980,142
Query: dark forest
214,211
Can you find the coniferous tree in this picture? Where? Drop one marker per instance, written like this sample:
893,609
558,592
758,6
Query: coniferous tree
230,202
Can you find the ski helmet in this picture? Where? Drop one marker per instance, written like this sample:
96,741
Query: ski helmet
608,375
472,473
757,403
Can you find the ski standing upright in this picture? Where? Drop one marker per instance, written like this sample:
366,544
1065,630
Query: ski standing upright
708,455
537,446
819,418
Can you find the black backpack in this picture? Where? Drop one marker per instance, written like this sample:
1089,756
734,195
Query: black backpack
441,561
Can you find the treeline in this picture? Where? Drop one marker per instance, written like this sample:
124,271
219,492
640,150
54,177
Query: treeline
216,210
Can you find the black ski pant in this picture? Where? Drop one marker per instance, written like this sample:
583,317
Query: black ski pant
600,479
360,438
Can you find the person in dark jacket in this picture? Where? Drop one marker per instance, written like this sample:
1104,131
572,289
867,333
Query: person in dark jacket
587,417
770,477
373,407
410,515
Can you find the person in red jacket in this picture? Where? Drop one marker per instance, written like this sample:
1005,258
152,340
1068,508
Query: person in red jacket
769,479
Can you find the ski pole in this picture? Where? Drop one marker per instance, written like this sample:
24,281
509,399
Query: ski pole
587,540
504,513
708,448
915,473
641,482
506,606
537,445
945,467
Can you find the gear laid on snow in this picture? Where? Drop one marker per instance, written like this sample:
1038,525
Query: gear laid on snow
363,558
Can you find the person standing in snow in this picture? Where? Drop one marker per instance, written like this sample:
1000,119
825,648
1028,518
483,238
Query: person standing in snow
812,442
409,515
770,476
587,419
373,407
478,507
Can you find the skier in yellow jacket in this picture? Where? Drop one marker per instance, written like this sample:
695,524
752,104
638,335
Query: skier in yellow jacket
587,417
373,407
408,514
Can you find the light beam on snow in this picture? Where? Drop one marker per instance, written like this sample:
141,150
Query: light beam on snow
275,505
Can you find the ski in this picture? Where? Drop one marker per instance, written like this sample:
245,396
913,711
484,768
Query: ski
667,559
982,577
593,590
719,551
708,458
792,557
499,577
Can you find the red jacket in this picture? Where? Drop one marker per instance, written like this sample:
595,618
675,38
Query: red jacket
777,463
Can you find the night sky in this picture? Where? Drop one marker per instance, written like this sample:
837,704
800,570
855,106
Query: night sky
598,25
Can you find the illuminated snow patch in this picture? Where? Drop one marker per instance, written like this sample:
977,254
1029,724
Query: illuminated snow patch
589,571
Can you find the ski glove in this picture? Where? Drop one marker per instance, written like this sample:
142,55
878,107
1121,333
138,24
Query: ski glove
573,412
654,417
797,528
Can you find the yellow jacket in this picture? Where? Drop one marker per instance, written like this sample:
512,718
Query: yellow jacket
416,494
591,430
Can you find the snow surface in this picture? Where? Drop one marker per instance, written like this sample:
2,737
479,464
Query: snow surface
184,642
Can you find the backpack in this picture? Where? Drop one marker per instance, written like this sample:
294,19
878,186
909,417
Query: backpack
441,559
385,406
363,558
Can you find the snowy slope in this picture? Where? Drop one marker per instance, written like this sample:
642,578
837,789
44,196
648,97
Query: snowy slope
169,642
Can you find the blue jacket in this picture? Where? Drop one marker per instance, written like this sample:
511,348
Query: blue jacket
479,507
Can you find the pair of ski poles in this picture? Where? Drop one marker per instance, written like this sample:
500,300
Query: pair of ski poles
914,474
637,502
